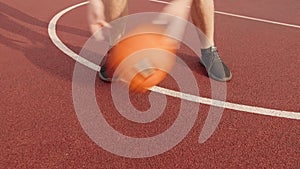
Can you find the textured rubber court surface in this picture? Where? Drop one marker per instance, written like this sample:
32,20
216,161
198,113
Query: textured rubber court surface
40,129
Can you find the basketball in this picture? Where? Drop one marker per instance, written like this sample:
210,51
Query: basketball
143,58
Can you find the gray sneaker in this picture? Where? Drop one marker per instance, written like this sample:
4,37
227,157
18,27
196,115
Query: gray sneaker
215,67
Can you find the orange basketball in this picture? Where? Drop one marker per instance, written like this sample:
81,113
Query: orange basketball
143,58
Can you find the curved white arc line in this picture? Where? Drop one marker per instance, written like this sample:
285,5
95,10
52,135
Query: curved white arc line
60,45
241,16
197,99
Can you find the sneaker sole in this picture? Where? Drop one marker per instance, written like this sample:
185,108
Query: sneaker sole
216,78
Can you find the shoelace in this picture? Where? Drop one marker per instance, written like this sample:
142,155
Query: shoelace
216,57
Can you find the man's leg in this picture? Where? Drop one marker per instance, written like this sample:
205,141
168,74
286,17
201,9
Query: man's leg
202,12
116,9
101,13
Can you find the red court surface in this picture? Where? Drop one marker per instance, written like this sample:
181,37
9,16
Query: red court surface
40,128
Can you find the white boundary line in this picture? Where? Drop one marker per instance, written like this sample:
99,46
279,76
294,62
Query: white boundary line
233,106
58,43
241,16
